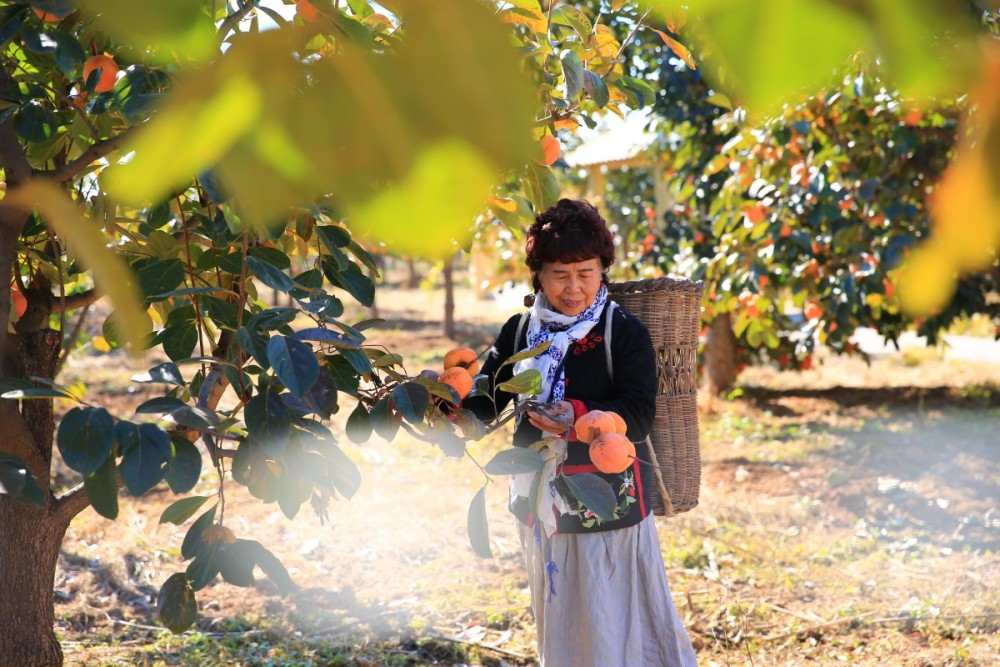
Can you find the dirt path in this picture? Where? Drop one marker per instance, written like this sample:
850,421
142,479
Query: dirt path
851,521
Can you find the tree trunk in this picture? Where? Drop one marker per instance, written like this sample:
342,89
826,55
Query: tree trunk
720,355
413,276
30,538
449,297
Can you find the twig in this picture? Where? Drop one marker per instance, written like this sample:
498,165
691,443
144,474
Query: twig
638,24
487,647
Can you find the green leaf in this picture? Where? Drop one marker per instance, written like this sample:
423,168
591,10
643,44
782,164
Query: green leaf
541,186
35,123
411,401
353,282
184,469
255,343
595,493
175,28
236,562
334,237
596,88
180,340
160,276
268,421
514,461
272,567
70,55
325,336
193,544
145,449
86,437
37,392
102,489
479,530
384,419
181,510
159,405
176,603
270,275
358,360
472,427
572,68
17,481
640,87
197,418
222,312
344,474
525,382
205,567
166,373
574,18
527,354
294,363
359,426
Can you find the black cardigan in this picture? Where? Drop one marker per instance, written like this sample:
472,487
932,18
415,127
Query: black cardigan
631,393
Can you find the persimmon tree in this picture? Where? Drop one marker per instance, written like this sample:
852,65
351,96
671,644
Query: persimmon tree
806,205
176,157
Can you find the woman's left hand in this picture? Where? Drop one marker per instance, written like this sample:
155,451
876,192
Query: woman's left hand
556,418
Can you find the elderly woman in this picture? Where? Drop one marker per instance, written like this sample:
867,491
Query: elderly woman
598,587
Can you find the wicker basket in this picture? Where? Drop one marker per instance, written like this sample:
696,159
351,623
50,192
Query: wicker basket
671,308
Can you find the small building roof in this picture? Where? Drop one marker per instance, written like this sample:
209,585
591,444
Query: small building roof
614,142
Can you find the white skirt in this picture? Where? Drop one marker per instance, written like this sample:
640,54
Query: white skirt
607,602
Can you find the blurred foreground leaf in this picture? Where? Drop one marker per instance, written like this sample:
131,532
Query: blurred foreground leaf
85,239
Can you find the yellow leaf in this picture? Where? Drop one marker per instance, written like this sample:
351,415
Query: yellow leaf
682,51
101,344
86,241
927,280
433,205
502,203
604,41
205,116
528,12
966,212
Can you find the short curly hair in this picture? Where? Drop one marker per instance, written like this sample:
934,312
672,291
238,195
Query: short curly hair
572,230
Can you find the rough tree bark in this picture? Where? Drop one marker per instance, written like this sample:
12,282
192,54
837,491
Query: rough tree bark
30,536
720,355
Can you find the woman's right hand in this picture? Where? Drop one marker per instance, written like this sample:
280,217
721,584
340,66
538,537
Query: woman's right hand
554,418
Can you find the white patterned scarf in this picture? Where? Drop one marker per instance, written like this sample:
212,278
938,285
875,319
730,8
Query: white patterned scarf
545,324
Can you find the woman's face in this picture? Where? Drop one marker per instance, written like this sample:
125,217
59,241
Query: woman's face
571,288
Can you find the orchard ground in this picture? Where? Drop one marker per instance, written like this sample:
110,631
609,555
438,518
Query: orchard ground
848,516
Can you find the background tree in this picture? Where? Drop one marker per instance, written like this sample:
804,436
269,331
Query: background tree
177,156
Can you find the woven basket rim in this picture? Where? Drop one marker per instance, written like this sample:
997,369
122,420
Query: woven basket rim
647,285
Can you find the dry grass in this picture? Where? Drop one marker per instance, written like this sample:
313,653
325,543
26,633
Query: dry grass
848,515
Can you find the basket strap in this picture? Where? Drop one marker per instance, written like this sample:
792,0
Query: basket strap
520,329
668,507
517,337
607,338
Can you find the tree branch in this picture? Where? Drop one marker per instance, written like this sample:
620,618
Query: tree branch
95,152
233,19
81,300
71,503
